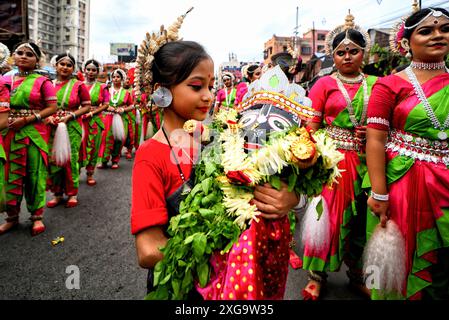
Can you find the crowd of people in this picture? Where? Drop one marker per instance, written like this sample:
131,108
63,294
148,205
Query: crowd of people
51,129
392,132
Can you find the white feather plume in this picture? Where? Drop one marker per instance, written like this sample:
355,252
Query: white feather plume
61,151
118,130
315,233
150,131
386,252
138,117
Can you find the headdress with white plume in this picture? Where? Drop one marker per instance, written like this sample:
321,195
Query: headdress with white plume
143,82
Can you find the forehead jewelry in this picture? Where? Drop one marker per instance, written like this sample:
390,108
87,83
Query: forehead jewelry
433,13
27,45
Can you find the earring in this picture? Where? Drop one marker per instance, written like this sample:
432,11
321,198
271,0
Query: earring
162,97
405,45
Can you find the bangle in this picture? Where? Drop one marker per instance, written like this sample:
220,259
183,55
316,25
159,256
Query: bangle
38,117
73,114
380,197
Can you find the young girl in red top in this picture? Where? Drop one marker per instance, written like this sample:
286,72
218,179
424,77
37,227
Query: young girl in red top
182,81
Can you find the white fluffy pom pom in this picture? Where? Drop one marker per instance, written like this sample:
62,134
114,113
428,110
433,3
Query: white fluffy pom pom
150,131
138,117
118,130
385,259
61,151
316,233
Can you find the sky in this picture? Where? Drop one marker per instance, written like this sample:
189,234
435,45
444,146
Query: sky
232,26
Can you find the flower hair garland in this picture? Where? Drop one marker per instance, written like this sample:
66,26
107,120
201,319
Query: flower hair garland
151,44
397,33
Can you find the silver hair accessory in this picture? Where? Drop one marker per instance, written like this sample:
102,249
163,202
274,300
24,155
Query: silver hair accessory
397,34
162,97
433,13
121,72
100,68
66,57
349,24
4,55
151,44
27,45
228,75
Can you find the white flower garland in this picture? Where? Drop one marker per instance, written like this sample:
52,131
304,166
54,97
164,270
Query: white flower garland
261,164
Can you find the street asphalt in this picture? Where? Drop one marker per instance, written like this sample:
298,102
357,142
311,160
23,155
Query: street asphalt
97,240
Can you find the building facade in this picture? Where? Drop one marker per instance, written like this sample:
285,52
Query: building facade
60,26
311,42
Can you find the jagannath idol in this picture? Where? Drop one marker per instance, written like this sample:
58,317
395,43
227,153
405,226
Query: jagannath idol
219,243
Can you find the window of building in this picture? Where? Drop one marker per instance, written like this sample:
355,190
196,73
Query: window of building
306,50
320,48
321,37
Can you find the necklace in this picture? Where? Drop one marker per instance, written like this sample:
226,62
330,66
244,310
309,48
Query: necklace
347,80
428,66
422,97
61,106
345,94
113,94
24,73
185,188
228,101
92,84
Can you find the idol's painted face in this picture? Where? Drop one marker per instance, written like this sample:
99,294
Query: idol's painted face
261,119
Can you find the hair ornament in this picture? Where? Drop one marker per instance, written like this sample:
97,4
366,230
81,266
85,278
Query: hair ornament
433,13
120,72
143,82
349,24
92,62
397,45
228,75
4,55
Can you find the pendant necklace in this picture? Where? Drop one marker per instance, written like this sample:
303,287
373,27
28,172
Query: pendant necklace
228,97
349,106
442,135
61,105
115,100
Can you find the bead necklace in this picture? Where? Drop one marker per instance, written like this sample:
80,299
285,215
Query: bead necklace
66,92
347,80
349,106
228,101
24,73
92,84
428,65
112,92
430,113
